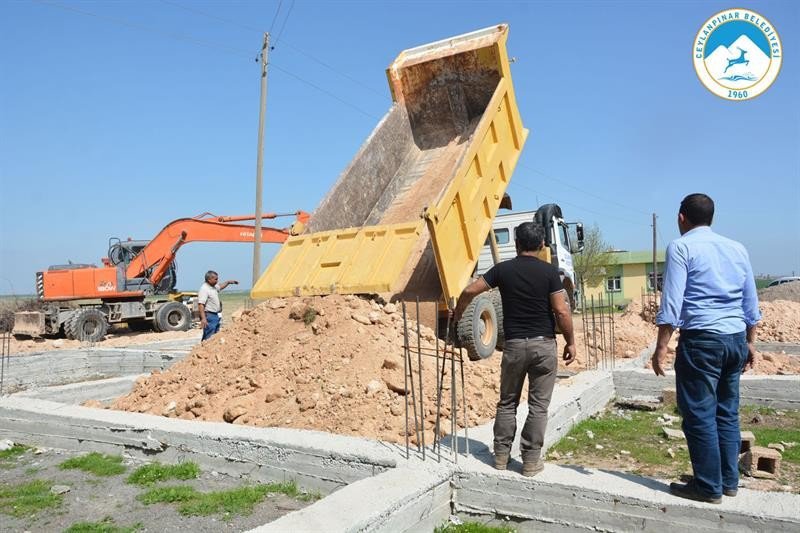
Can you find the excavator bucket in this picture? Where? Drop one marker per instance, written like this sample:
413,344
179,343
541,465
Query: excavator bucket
409,214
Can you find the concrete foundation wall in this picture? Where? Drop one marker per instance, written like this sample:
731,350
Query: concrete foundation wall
600,503
314,459
781,392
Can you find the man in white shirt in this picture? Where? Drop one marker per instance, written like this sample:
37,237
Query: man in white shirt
209,304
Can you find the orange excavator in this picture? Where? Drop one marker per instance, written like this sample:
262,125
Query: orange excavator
136,282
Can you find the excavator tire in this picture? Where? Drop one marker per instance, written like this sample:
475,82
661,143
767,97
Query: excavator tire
498,310
478,328
173,316
86,324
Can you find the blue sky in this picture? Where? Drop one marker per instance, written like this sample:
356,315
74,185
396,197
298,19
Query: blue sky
124,116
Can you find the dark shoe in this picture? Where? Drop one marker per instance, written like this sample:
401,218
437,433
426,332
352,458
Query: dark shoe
532,467
689,492
501,461
731,493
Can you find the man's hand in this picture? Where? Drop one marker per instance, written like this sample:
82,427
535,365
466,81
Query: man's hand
569,353
231,282
659,356
203,322
752,357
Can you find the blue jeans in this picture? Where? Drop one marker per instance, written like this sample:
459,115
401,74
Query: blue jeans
213,322
707,370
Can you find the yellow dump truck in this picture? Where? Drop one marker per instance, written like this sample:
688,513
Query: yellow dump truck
409,215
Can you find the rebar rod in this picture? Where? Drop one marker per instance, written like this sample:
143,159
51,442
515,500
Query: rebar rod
407,355
419,362
594,335
405,377
464,403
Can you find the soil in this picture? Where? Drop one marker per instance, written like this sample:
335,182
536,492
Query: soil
785,291
91,498
780,320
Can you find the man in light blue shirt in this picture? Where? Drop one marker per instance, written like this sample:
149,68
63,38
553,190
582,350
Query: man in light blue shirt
710,295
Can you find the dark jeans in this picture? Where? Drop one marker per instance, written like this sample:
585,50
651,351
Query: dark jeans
212,327
707,370
536,359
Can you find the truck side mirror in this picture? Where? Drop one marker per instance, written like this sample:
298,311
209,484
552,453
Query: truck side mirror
579,234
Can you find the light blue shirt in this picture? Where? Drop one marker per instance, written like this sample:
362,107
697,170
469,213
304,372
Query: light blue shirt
708,284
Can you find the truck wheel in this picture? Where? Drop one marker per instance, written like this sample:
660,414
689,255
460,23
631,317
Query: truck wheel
173,316
88,325
477,330
498,311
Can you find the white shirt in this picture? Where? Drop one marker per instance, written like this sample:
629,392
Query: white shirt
208,295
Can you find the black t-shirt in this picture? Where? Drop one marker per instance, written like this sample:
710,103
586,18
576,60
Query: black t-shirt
526,284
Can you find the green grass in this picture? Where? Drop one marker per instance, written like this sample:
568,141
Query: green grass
27,499
240,500
106,525
309,316
777,425
9,456
472,527
641,436
152,473
96,463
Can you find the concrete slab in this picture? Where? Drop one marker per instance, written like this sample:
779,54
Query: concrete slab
789,348
104,390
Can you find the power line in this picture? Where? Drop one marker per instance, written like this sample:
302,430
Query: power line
180,37
283,26
275,17
284,42
325,91
567,202
584,191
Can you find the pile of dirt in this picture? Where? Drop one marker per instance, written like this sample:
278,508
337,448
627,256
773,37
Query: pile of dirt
785,291
331,363
780,321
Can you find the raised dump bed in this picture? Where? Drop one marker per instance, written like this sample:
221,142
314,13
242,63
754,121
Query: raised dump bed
420,195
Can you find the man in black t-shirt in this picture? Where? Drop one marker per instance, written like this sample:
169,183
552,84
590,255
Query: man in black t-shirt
533,302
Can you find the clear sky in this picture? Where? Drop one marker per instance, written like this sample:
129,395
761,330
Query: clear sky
118,117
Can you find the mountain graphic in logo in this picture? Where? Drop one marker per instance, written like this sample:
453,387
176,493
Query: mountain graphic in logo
739,64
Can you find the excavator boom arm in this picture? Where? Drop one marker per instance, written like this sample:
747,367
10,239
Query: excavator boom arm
160,252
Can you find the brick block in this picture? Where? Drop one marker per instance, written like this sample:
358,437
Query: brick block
748,441
669,396
760,462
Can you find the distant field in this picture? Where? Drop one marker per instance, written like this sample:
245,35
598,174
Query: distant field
763,282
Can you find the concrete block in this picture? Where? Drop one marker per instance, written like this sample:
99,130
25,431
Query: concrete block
673,434
761,462
748,441
669,396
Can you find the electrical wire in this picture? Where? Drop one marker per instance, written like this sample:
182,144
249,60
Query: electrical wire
285,20
584,191
275,17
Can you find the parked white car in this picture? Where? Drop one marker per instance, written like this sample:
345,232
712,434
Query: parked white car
785,279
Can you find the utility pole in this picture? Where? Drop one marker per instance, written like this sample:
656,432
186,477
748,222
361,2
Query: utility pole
260,160
655,259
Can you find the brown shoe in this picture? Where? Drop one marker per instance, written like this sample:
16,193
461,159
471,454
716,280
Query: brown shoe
532,467
501,461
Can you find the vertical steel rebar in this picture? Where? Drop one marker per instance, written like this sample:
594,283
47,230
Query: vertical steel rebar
440,386
436,368
453,405
594,335
405,375
419,362
464,403
411,382
613,317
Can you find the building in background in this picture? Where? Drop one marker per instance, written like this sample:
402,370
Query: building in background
628,275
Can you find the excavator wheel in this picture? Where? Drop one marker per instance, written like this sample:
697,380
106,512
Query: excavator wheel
478,328
498,310
173,316
86,324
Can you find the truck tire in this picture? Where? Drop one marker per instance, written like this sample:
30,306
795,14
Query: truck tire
173,316
498,311
87,325
477,330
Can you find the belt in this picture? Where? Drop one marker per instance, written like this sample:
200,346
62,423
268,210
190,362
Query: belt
539,338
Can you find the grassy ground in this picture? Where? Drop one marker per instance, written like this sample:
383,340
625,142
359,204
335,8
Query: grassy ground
96,463
472,527
633,441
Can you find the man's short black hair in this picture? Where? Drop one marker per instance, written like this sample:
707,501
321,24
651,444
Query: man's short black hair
698,209
529,236
210,274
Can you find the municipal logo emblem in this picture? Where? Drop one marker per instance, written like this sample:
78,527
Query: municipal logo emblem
737,54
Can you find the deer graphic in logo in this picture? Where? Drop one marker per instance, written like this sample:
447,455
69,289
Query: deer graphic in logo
737,61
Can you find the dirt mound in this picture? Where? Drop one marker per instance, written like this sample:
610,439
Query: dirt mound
785,291
780,321
332,363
